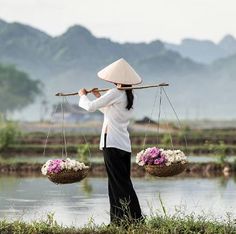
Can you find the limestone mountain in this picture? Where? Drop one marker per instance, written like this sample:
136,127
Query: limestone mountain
71,61
204,51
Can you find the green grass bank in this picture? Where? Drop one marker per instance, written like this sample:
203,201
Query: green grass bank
154,224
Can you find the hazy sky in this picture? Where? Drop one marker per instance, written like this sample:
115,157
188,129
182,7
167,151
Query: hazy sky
128,20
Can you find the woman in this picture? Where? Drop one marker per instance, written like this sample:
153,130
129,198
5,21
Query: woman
117,106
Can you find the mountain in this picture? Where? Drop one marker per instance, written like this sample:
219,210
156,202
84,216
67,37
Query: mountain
205,51
70,61
228,44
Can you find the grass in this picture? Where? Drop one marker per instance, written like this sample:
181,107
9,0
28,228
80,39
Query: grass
72,148
154,224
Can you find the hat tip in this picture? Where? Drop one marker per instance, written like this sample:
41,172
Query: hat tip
121,59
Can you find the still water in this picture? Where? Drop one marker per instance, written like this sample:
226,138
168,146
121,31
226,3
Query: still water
32,198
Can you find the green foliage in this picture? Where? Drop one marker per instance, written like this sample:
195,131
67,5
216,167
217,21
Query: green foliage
234,165
155,224
166,139
8,133
83,153
17,90
220,150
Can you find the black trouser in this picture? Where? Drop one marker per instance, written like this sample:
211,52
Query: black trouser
124,203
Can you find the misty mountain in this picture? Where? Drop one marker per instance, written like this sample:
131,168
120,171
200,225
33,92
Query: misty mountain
205,51
77,48
71,61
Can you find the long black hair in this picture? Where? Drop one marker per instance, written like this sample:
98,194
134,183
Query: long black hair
129,95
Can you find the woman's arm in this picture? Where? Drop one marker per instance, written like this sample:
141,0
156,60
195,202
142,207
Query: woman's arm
107,99
97,95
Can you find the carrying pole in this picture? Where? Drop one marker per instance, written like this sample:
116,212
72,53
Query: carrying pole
120,88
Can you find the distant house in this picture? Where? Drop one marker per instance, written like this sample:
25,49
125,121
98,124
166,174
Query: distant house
145,120
75,114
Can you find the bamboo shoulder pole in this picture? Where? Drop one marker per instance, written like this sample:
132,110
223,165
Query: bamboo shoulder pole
120,88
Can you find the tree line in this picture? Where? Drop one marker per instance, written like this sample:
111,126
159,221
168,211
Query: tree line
17,89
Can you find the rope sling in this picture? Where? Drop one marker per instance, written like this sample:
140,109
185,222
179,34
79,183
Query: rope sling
66,176
175,168
161,91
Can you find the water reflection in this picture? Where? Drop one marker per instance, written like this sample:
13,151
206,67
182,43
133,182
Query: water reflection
32,198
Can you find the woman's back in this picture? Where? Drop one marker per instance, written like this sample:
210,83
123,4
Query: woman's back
116,121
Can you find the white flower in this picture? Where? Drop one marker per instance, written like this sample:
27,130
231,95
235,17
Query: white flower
44,169
168,163
138,157
141,163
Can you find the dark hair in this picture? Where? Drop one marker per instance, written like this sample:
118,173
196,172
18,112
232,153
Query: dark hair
130,97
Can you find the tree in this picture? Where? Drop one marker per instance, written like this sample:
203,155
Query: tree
17,90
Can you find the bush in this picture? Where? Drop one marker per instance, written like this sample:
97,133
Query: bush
8,133
83,152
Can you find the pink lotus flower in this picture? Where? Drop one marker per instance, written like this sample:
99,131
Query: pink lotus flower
160,160
55,166
152,156
153,152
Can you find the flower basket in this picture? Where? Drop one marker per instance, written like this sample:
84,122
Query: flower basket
165,171
66,171
162,163
68,176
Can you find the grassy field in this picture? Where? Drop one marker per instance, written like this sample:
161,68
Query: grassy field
14,141
37,149
154,224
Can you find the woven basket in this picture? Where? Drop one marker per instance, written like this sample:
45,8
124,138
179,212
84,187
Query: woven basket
165,171
68,176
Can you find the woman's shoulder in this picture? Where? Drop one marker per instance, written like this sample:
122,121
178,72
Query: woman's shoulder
115,91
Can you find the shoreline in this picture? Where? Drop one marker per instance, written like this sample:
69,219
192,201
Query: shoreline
211,169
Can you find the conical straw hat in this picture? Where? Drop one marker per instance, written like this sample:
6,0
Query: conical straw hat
120,72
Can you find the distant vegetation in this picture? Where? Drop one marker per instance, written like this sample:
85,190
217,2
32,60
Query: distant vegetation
8,134
17,90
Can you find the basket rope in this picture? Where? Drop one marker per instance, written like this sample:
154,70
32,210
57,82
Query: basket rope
85,139
63,128
145,131
162,90
168,129
177,117
159,115
64,145
49,129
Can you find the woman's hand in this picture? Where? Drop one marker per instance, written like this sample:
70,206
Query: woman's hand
96,92
82,92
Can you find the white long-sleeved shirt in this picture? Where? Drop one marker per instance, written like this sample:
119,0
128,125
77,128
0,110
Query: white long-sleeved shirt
116,117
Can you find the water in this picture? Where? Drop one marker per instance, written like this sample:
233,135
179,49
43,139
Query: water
74,204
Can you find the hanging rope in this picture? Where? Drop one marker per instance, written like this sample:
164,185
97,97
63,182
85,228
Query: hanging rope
64,147
159,116
168,128
85,140
176,115
49,129
63,127
154,103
